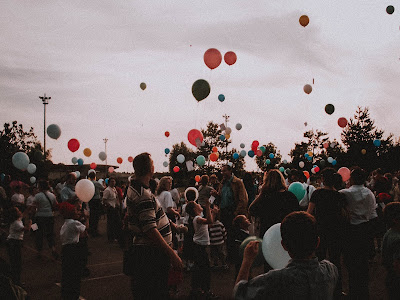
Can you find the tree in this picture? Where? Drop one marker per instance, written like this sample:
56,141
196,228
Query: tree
189,156
274,162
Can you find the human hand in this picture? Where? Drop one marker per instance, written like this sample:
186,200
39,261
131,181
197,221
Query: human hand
251,251
176,262
214,193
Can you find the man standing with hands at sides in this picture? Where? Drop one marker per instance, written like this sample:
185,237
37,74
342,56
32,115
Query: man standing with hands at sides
152,252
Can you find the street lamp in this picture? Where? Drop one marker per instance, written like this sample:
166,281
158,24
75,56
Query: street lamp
45,101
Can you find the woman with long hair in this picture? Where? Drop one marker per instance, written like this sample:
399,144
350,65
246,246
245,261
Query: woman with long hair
165,198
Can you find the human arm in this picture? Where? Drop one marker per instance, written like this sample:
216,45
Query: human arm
310,208
250,253
209,219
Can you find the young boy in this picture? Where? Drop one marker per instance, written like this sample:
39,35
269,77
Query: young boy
303,278
72,257
217,234
391,249
241,226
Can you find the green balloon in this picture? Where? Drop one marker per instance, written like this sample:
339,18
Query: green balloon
201,160
260,257
329,109
201,89
390,9
298,190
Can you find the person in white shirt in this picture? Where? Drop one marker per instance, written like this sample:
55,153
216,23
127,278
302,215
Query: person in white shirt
18,199
110,199
361,206
165,198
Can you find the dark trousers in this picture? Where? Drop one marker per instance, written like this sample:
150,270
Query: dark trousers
71,271
201,276
227,216
45,229
356,259
95,214
14,252
150,275
83,244
114,224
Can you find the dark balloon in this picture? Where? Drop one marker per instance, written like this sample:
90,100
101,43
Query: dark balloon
329,109
201,89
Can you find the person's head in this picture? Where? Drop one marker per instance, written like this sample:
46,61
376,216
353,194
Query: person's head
299,235
204,180
32,190
226,171
391,214
92,175
68,210
112,182
248,179
165,184
143,165
338,181
242,222
14,214
43,185
357,176
191,194
273,181
71,178
389,177
328,178
216,213
193,209
378,173
213,179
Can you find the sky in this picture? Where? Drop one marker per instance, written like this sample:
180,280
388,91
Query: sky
91,56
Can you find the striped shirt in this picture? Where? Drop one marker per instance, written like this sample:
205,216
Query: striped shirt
217,233
144,214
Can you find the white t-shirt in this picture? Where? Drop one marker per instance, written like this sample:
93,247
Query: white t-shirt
17,199
185,215
43,205
307,196
16,230
201,235
70,231
30,200
110,196
165,200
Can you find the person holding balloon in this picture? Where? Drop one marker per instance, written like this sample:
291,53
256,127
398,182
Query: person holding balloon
303,278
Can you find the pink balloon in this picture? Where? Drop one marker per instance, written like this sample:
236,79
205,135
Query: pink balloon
195,137
342,122
345,173
212,58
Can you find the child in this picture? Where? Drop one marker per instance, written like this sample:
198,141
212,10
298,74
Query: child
217,233
241,226
201,276
191,194
391,249
72,258
14,242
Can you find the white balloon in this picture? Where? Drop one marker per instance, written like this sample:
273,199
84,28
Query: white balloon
285,161
74,160
102,156
230,164
332,145
20,160
238,126
180,158
165,164
84,189
307,89
242,145
32,179
31,168
228,130
91,171
330,159
101,181
301,164
53,131
78,174
272,248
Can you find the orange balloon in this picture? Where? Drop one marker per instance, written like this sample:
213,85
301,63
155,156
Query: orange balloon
87,152
307,174
230,57
167,133
214,156
119,160
212,58
214,149
304,20
197,178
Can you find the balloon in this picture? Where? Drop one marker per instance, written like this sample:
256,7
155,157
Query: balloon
31,168
301,164
297,189
282,169
313,171
119,160
230,164
20,160
259,260
330,159
306,174
53,131
180,158
201,160
74,160
221,98
243,153
342,122
106,181
93,165
316,169
307,89
272,248
363,151
250,153
235,155
329,109
259,153
214,156
288,171
228,130
304,20
334,162
326,145
84,189
263,149
238,126
227,136
73,145
80,162
165,164
212,58
255,143
200,89
87,152
166,150
78,174
110,169
222,137
309,158
214,149
332,145
195,137
130,159
377,143
2,176
32,179
306,155
254,148
271,155
143,86
310,153
101,180
176,169
230,58
285,161
345,173
242,145
390,9
102,156
92,171
166,133
268,161
197,178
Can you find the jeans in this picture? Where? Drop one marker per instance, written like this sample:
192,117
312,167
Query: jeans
71,271
201,276
95,213
45,229
14,252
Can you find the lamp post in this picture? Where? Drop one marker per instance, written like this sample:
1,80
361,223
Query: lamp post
105,150
45,101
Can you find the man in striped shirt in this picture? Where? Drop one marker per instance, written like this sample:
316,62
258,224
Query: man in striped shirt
152,249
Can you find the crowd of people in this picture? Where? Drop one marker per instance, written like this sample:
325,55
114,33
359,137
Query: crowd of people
201,227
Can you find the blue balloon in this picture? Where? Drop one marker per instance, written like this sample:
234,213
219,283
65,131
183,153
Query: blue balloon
377,143
2,176
201,160
267,161
221,98
80,161
250,153
334,162
309,158
166,150
235,156
106,181
271,155
222,137
306,155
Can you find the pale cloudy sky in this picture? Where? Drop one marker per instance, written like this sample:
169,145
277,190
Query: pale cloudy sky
91,56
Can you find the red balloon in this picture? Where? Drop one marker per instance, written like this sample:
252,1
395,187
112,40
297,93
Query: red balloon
93,166
316,169
130,159
119,160
197,178
194,135
214,149
255,143
212,58
167,133
345,173
176,169
230,57
214,156
259,153
342,122
73,145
